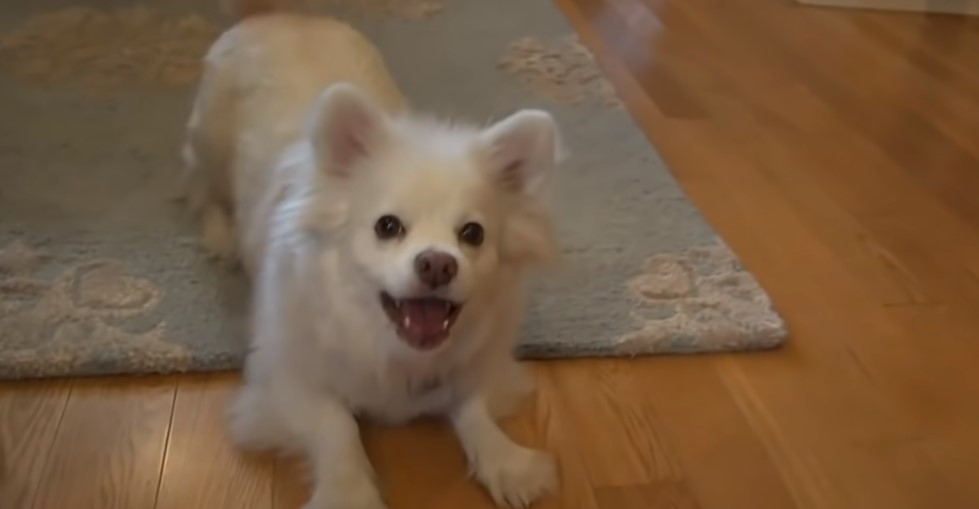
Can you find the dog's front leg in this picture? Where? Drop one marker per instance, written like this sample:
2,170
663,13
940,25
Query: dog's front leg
342,474
514,475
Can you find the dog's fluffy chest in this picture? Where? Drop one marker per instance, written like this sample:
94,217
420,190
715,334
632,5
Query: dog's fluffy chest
393,390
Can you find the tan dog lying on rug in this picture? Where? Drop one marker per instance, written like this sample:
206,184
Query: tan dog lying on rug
388,251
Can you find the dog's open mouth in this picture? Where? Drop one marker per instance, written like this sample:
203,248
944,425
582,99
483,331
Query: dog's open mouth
424,323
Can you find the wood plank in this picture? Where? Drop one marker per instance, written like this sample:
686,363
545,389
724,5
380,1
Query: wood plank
30,414
202,468
811,470
659,495
421,466
724,461
600,400
109,448
832,390
563,436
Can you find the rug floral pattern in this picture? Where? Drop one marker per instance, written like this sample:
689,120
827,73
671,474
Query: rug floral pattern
708,298
560,69
58,325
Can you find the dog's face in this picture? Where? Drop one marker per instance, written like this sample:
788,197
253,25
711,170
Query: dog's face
431,212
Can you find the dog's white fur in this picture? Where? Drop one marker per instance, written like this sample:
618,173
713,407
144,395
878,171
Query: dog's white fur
299,140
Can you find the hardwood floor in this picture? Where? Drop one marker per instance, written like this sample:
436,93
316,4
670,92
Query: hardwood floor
837,152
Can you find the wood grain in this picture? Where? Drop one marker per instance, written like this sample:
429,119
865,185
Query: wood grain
109,447
202,469
659,495
724,461
30,414
601,401
834,150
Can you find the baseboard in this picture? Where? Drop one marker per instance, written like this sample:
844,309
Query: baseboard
966,7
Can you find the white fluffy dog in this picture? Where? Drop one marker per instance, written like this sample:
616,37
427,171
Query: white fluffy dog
388,252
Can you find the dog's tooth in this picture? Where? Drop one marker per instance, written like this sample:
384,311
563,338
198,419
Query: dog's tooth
407,322
445,325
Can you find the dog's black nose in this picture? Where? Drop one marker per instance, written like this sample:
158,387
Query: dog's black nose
436,268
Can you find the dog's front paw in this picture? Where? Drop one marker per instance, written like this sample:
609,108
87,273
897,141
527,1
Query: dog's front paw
518,476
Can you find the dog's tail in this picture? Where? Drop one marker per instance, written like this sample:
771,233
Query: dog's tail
242,9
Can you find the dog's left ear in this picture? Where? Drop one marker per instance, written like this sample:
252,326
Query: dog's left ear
522,151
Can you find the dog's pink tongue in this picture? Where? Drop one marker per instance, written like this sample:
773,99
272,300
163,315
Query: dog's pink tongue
424,323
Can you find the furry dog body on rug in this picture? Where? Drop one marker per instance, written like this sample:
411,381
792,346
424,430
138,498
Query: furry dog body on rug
388,251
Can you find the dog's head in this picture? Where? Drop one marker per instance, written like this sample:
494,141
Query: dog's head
431,212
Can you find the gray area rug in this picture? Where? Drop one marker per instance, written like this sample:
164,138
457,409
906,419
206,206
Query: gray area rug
100,271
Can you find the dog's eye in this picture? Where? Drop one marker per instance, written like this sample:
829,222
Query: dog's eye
472,234
388,227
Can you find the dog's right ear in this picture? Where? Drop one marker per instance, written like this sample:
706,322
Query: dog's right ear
522,150
344,127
